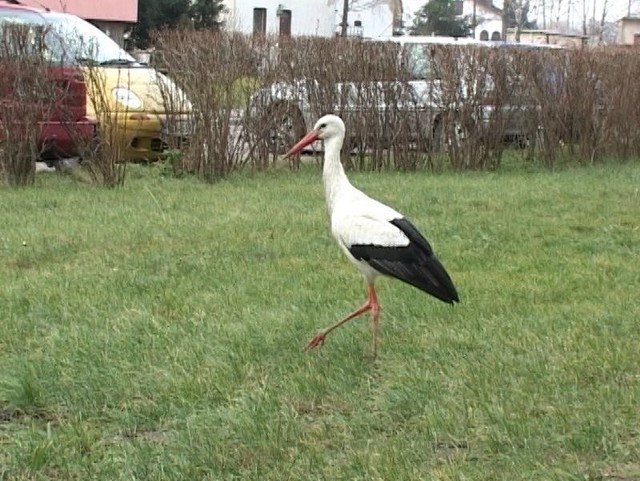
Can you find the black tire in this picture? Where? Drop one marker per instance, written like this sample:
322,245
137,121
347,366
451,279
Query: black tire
448,137
284,127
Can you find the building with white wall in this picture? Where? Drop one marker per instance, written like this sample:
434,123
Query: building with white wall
549,37
629,31
372,19
488,18
375,19
282,17
369,19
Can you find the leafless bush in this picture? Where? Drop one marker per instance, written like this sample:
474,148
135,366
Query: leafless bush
616,100
456,106
104,155
215,70
41,98
471,91
26,93
537,101
582,123
359,81
389,125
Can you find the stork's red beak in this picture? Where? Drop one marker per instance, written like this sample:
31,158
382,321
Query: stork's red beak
310,138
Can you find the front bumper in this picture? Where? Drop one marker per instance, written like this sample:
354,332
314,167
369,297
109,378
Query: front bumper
147,137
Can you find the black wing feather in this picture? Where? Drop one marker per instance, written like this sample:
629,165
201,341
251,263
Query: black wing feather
415,264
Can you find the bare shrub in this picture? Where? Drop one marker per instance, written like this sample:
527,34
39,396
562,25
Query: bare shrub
538,97
365,94
398,115
215,70
26,93
586,100
585,127
468,101
102,149
616,100
442,106
41,94
363,82
104,155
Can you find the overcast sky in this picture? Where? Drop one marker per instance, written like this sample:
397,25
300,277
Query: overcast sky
377,21
616,8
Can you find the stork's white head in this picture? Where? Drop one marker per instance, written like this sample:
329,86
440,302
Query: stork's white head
327,127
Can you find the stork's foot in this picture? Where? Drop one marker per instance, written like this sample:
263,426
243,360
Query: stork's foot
318,340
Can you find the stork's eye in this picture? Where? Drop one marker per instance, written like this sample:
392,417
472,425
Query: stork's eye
322,126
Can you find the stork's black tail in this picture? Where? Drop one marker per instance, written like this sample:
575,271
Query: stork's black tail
415,264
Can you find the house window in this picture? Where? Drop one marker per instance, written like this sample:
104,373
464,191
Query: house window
459,4
285,23
636,39
484,35
259,21
495,36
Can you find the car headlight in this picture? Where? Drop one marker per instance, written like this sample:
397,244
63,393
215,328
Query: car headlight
126,97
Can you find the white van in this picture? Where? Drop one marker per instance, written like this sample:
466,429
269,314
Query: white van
288,109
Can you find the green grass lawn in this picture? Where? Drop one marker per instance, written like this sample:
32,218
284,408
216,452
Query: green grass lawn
156,332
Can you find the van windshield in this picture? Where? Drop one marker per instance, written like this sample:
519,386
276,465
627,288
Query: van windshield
68,39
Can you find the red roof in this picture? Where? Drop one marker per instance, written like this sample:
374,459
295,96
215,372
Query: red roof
106,10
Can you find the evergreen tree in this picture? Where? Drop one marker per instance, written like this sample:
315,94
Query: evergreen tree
206,13
438,17
159,14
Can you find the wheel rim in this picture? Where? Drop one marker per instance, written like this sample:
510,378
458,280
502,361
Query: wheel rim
283,134
448,138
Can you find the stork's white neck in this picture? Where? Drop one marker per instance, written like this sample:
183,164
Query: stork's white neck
335,179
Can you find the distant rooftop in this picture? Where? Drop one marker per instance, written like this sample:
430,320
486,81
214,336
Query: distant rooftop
552,33
105,10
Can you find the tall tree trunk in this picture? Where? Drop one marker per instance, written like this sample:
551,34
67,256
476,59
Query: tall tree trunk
345,18
397,11
474,20
603,19
518,11
505,18
593,19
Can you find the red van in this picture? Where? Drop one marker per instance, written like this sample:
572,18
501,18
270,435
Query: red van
64,123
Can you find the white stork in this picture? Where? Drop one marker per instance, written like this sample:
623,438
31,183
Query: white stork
375,237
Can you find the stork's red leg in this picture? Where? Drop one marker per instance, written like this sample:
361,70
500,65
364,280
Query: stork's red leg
375,316
370,305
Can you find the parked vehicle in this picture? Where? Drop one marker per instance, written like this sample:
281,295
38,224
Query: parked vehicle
418,101
142,110
53,100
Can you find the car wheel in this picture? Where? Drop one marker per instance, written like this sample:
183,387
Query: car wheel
449,135
285,126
